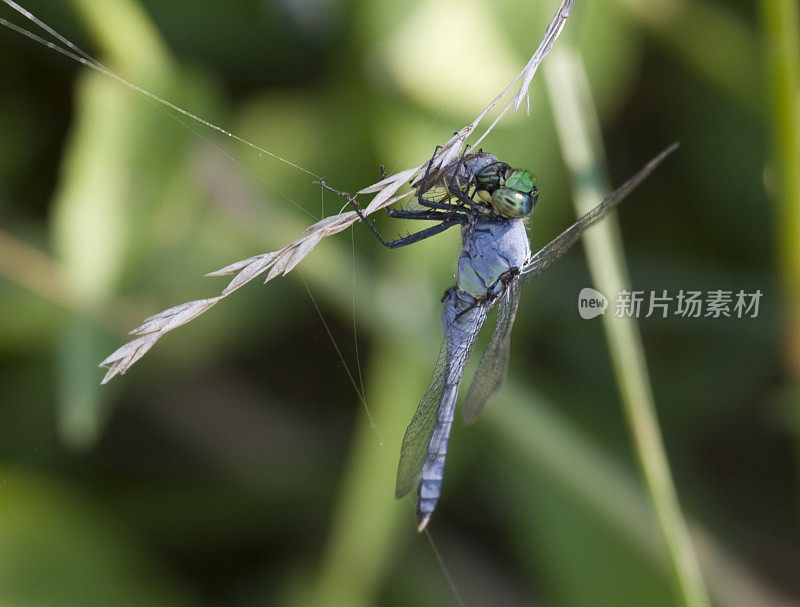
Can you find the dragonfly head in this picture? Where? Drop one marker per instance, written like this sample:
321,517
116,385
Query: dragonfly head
511,192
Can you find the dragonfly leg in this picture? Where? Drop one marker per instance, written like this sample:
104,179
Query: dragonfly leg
426,215
435,204
454,188
424,187
493,294
464,197
422,234
447,221
361,215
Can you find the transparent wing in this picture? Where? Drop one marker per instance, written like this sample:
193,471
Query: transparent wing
492,369
556,248
418,434
461,333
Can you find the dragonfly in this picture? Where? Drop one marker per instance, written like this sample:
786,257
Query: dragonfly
491,201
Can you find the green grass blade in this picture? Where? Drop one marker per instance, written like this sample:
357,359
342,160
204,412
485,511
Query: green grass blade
578,132
781,37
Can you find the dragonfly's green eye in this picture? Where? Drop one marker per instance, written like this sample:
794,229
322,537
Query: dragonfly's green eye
513,203
522,181
511,192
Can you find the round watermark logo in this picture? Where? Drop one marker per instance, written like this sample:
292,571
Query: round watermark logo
591,303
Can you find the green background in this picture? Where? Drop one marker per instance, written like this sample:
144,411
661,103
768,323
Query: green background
234,464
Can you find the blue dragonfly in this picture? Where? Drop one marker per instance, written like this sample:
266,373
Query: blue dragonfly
490,200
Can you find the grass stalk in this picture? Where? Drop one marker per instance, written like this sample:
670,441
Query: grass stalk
781,39
579,135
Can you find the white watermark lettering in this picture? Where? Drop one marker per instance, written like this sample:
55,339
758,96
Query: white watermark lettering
717,303
591,303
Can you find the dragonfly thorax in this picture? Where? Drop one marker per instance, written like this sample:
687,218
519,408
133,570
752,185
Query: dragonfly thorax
491,247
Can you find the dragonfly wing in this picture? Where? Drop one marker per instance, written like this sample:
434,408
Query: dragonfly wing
424,450
419,431
427,434
492,369
558,246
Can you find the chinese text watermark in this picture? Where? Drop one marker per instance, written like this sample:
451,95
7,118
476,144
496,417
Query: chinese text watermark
685,304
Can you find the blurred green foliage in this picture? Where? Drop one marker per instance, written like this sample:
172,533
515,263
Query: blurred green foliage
234,464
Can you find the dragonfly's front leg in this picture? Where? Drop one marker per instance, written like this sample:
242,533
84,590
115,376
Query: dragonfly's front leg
454,186
424,215
449,219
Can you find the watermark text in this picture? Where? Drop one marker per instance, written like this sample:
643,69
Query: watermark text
662,304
